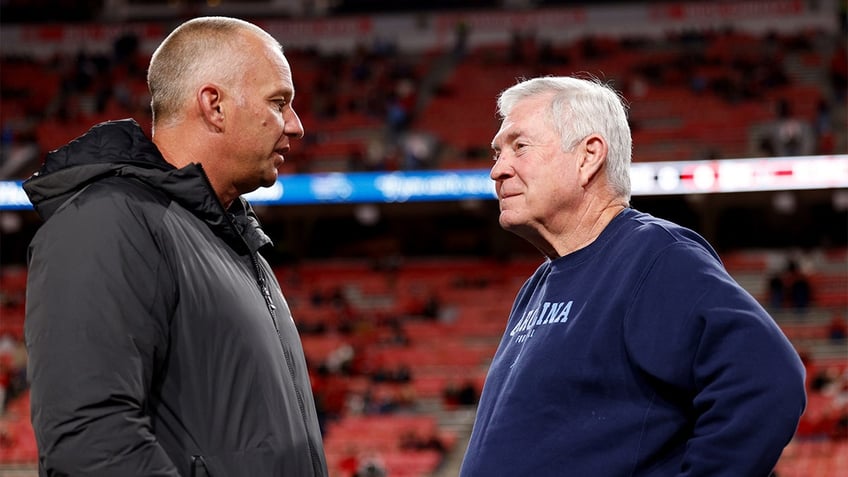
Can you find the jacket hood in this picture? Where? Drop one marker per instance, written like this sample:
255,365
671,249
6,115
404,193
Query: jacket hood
103,151
120,148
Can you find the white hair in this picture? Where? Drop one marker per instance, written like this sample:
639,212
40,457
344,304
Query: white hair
578,108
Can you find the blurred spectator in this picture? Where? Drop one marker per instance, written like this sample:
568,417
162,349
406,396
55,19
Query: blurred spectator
464,394
822,379
838,410
13,380
776,290
412,441
4,380
837,330
401,106
419,151
549,56
823,128
838,71
349,463
396,335
517,47
432,307
467,394
789,134
8,344
356,159
460,45
400,373
800,292
790,287
340,359
371,465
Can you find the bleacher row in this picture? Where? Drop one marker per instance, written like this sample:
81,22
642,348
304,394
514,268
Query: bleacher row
441,319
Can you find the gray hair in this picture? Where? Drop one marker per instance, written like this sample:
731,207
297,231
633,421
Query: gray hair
201,49
581,107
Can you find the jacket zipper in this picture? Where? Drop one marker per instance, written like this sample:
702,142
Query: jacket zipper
197,461
272,309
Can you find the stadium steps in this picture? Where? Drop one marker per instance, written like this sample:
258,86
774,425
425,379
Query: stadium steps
458,421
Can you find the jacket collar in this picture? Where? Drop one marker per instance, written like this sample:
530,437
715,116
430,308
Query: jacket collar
120,148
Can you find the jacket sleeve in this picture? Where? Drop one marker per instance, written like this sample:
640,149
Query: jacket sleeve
96,322
696,330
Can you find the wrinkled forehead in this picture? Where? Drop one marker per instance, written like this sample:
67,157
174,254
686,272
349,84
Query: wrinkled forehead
506,130
530,112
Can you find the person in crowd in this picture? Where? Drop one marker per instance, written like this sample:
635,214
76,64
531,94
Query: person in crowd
776,290
798,284
160,343
371,465
630,350
837,329
790,287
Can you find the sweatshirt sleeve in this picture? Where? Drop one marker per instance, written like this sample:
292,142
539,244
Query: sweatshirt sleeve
693,328
97,301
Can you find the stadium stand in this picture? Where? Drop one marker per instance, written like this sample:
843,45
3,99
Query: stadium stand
361,106
386,356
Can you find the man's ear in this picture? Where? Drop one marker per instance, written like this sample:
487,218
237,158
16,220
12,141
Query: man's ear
210,106
593,154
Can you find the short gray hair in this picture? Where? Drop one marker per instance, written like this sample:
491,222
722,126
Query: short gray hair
201,49
580,107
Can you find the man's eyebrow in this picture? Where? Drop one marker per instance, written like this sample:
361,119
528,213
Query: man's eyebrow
510,136
286,95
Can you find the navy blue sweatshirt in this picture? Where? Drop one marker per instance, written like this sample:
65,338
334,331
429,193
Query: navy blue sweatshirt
637,356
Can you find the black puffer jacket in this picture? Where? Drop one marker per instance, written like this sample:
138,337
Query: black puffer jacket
159,341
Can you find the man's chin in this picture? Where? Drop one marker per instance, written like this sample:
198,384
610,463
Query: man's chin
509,219
508,225
268,181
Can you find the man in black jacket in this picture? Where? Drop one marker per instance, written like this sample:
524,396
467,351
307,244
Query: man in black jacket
159,341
